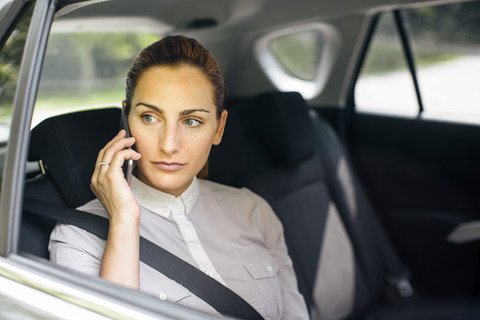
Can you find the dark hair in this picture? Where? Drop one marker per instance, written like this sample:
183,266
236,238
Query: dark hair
175,51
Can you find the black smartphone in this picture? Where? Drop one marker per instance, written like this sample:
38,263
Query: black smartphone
128,166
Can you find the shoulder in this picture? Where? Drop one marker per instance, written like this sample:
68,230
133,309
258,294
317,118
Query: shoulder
237,203
243,210
224,193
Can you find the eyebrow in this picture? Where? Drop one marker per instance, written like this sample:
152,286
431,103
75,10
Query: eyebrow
182,113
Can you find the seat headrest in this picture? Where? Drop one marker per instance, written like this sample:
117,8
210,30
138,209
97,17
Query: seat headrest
68,146
283,124
240,155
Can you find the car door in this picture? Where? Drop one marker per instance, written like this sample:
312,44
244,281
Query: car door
414,132
19,297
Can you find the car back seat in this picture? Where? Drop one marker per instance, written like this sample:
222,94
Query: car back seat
288,172
272,145
277,147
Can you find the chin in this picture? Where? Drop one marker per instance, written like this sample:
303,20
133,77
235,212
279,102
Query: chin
170,183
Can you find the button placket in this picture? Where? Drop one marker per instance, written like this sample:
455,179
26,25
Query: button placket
188,232
190,237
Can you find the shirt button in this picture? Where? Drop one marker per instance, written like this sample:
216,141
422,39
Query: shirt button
188,232
269,268
162,296
209,273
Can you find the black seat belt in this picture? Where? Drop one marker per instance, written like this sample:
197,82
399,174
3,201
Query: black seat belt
221,298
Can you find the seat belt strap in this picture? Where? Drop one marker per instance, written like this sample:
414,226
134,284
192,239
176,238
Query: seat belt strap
221,298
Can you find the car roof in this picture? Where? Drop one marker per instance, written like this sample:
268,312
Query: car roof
247,14
231,30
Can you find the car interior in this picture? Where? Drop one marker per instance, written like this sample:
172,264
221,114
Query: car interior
345,264
368,200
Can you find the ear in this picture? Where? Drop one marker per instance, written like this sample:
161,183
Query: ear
220,128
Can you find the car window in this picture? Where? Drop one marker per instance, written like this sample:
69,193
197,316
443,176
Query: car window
85,70
445,47
10,59
299,53
446,44
385,84
298,59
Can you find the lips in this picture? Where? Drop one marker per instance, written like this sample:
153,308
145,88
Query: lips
169,166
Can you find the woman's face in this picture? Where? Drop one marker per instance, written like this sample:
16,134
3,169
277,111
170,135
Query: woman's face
173,119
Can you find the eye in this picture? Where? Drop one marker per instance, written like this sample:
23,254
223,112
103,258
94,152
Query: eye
148,118
192,122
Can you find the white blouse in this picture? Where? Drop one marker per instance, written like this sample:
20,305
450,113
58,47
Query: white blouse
230,234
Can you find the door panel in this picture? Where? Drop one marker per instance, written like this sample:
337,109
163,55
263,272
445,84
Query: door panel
423,177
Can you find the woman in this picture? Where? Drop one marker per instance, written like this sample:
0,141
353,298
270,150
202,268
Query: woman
174,102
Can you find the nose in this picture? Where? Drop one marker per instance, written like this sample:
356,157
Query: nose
170,141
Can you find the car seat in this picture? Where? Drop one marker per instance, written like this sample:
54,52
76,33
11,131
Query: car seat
344,263
66,146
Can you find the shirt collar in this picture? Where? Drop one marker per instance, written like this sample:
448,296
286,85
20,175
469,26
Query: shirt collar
163,203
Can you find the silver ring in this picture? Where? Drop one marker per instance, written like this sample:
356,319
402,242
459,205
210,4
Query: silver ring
103,164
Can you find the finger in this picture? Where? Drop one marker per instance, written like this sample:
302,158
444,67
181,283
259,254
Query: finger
120,135
116,147
114,167
122,156
112,175
106,154
101,154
